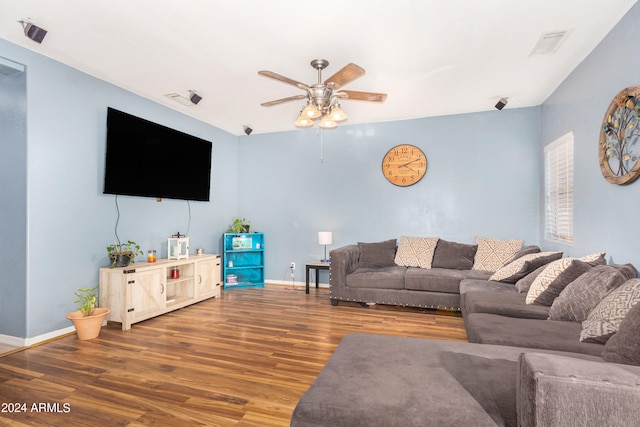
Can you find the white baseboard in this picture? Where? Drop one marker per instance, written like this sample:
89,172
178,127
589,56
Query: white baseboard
28,342
289,283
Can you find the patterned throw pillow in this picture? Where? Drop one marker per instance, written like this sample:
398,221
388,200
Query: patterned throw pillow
416,251
522,266
493,253
605,319
554,278
581,296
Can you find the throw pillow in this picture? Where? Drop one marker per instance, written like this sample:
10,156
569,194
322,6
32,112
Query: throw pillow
594,259
416,251
523,285
533,249
582,295
493,253
379,254
624,345
605,319
456,256
524,265
554,278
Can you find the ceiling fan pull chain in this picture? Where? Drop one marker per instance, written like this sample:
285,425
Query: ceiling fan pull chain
321,140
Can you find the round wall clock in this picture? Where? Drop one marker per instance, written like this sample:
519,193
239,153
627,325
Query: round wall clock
620,137
404,165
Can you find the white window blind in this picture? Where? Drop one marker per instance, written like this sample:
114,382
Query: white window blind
558,186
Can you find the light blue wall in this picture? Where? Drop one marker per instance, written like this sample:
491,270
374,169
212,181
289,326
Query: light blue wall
482,179
69,221
605,215
13,202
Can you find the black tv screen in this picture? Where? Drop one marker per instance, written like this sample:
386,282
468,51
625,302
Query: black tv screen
150,160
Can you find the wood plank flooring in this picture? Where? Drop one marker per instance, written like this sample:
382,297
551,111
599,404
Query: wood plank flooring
241,360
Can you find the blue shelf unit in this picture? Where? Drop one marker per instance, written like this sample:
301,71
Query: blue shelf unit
243,260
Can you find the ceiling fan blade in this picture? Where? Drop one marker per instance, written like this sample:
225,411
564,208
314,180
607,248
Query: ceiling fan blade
345,75
283,100
283,79
361,96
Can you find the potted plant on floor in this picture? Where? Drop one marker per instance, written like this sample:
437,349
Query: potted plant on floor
239,226
122,254
89,317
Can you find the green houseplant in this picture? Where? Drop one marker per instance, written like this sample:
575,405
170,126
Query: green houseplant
239,226
122,254
89,317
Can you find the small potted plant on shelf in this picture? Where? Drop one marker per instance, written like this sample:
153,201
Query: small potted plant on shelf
89,317
239,226
122,254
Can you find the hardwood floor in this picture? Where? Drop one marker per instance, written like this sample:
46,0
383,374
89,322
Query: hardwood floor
242,360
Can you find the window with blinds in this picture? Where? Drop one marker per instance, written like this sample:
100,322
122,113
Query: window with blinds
558,186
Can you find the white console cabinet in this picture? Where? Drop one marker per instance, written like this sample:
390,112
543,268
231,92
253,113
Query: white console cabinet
143,290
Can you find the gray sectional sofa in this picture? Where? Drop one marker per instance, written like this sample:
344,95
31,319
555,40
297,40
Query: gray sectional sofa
368,273
562,354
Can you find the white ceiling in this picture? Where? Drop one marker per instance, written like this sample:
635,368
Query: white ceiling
432,57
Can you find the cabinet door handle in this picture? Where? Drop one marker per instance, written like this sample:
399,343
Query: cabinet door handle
162,291
200,277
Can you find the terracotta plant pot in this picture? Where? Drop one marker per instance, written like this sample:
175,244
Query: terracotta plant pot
88,327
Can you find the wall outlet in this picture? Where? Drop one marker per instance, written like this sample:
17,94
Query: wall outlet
292,265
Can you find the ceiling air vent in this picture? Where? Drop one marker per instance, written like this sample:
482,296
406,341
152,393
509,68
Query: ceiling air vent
549,43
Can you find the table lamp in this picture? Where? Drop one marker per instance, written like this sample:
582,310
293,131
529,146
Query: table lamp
324,238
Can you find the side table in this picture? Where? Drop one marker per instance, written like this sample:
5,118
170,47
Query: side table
317,266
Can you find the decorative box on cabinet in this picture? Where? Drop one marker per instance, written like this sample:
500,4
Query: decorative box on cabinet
243,265
144,290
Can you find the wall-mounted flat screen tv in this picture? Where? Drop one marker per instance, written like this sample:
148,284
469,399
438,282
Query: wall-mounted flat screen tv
150,160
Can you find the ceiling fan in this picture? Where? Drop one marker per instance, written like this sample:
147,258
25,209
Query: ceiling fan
323,98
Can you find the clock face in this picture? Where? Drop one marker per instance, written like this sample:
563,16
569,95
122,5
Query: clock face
404,165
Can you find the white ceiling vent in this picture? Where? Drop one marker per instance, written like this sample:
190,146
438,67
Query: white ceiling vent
180,99
549,43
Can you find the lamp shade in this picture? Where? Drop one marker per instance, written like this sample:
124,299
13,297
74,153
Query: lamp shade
304,121
324,237
327,122
337,114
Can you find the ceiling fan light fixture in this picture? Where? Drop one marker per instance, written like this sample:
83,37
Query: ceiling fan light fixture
326,122
337,114
311,111
303,121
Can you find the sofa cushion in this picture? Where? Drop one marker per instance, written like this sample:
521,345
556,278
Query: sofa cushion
381,278
543,334
605,319
457,256
523,265
582,295
555,277
379,254
416,251
503,303
433,279
478,285
493,253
